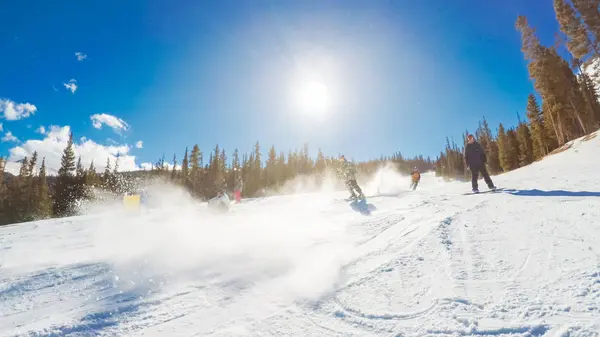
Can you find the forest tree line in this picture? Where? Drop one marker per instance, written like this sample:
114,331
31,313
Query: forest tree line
32,194
569,106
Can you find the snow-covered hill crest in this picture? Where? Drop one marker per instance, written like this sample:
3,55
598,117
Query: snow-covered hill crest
524,261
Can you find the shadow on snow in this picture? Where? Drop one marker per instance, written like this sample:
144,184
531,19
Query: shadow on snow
362,207
115,299
556,193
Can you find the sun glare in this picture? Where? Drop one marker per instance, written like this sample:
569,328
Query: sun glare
313,98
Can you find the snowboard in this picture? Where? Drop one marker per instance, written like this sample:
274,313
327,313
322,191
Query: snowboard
481,192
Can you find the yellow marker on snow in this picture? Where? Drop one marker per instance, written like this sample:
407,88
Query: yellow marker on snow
131,202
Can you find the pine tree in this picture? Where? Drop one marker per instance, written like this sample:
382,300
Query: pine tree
195,170
577,39
512,150
4,216
67,162
588,9
185,173
281,168
28,188
503,149
586,86
525,145
65,184
272,174
223,163
548,79
91,177
320,163
107,178
174,170
44,204
538,130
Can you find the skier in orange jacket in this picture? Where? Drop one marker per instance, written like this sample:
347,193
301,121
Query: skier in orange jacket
416,177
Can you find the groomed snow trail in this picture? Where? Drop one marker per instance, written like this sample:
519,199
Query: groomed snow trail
524,261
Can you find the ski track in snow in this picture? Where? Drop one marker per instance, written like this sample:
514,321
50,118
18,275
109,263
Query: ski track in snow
524,261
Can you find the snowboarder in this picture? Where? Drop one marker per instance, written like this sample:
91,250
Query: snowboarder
416,177
220,203
348,171
475,159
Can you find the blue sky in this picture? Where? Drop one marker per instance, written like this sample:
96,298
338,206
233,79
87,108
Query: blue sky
402,75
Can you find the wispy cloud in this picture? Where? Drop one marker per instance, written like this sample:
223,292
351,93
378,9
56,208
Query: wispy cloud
41,129
80,56
9,137
138,145
72,85
1,127
117,124
14,111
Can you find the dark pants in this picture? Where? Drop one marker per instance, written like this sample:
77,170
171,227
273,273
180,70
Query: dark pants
475,175
414,184
353,185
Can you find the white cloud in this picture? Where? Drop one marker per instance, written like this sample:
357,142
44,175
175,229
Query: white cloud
41,129
15,111
148,166
138,145
117,124
52,146
80,56
72,85
9,137
1,127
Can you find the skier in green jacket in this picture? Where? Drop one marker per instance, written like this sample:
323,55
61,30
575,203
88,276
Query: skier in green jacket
347,171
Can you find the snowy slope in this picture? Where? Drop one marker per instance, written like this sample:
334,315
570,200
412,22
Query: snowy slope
524,261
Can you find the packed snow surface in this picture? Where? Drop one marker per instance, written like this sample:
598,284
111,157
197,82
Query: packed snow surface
523,261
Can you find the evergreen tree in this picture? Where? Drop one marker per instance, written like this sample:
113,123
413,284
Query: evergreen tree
512,150
91,177
65,184
320,163
195,170
577,39
174,170
272,174
185,173
588,10
107,178
503,149
525,145
44,204
538,130
4,216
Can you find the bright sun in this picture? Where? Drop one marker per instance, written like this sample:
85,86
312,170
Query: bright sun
313,98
